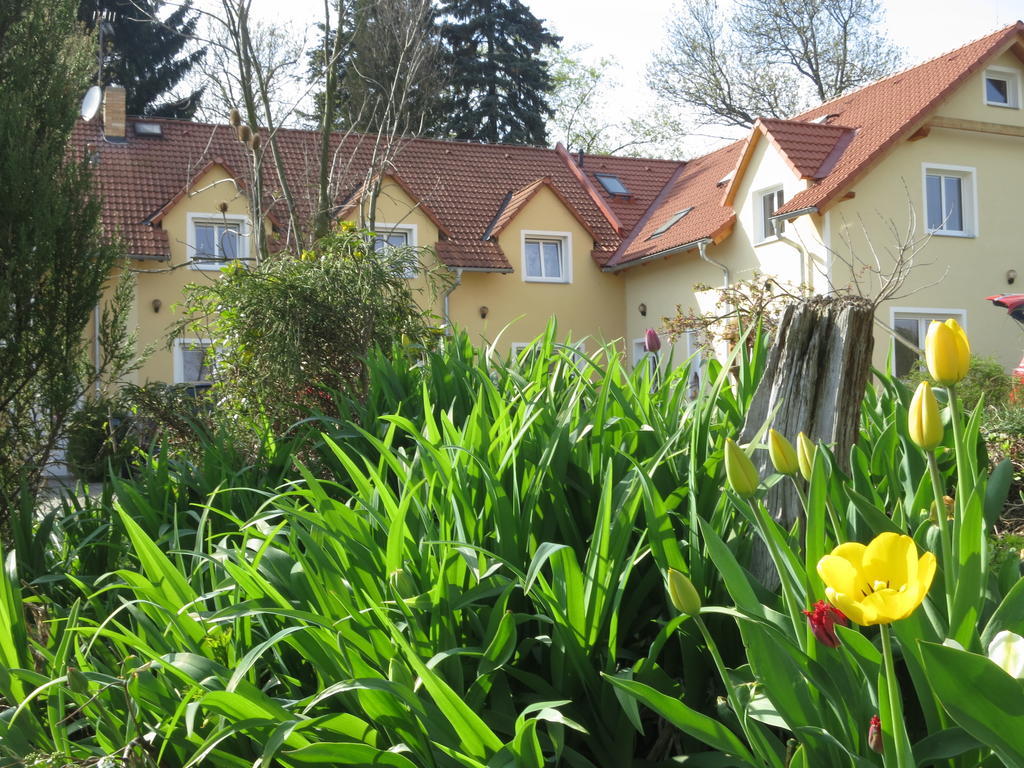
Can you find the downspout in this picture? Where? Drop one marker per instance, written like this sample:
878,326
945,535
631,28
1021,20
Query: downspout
702,249
805,256
446,312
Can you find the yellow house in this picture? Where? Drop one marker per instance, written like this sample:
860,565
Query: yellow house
524,231
929,158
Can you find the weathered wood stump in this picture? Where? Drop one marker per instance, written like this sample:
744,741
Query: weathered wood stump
816,374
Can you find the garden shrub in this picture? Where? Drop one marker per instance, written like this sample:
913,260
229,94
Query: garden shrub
986,378
292,331
475,575
101,438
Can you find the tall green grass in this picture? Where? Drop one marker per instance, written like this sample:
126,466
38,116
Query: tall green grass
439,578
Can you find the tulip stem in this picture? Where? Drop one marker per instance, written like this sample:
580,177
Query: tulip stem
948,566
965,469
895,746
754,737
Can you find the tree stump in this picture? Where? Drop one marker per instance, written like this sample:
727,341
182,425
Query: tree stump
816,374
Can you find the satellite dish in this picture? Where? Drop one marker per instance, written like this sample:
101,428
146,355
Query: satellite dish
91,103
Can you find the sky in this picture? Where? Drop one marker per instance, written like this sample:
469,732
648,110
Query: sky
631,31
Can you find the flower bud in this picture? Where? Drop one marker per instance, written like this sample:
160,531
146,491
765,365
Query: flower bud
805,452
652,342
823,617
924,421
740,470
947,352
875,734
682,593
782,454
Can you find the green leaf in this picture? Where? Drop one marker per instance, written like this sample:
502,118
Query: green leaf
501,647
701,727
982,699
943,745
1009,614
340,753
544,551
997,491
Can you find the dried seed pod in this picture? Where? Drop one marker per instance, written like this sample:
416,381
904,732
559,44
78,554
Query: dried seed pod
234,118
222,206
244,134
254,142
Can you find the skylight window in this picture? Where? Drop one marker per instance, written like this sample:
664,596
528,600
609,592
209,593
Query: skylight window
670,223
612,184
148,129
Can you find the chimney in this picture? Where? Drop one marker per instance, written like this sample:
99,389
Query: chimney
579,160
114,112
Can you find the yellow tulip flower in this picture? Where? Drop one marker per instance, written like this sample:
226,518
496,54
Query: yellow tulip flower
805,451
947,352
879,583
924,422
740,470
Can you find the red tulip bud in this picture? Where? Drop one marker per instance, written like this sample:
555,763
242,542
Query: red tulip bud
875,734
652,342
823,617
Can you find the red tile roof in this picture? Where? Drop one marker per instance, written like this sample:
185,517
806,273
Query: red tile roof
695,186
854,133
462,185
892,109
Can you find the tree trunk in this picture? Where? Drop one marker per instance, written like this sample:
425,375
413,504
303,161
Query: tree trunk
816,374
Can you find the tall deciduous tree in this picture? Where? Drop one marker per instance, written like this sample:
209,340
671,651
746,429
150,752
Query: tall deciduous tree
499,83
53,259
147,54
769,58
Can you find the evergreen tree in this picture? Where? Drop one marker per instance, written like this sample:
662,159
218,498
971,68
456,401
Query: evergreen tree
145,54
54,259
386,68
498,85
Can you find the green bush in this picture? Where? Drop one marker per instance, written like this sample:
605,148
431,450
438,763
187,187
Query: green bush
467,568
986,377
100,438
292,331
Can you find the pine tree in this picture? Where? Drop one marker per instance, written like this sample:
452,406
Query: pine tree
147,54
498,85
54,259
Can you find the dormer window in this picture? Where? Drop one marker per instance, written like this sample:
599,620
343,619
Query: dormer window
1002,88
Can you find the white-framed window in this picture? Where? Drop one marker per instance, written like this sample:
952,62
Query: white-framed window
950,200
547,257
217,238
912,324
1002,88
767,201
396,236
579,349
194,361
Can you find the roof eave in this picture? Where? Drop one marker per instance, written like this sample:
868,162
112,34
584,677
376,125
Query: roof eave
659,255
